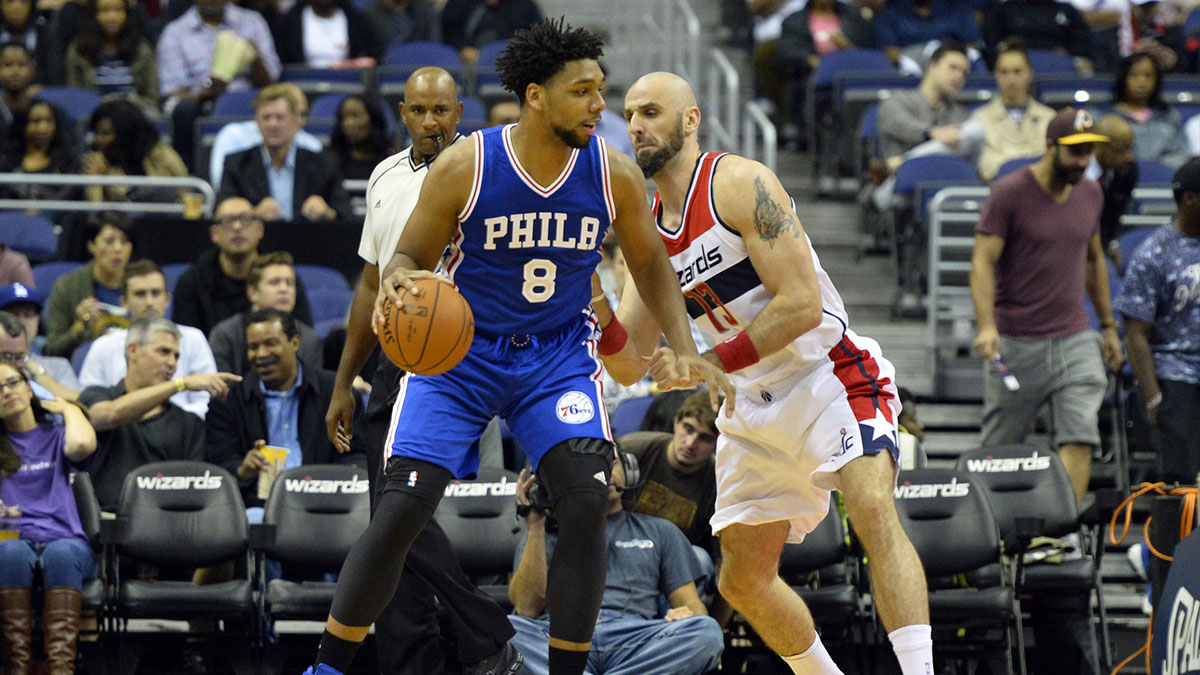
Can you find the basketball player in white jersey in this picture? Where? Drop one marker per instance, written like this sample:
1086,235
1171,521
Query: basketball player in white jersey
817,405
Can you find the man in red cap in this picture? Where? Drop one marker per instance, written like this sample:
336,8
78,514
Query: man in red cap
1037,248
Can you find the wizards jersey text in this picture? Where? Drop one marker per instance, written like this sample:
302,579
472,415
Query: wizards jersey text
524,253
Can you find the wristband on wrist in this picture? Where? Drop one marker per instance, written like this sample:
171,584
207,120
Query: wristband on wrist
180,385
1153,402
612,338
737,352
1111,323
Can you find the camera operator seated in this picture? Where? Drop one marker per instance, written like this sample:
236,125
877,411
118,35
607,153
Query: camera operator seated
647,557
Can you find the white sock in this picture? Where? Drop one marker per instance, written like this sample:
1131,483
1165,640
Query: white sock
813,661
914,649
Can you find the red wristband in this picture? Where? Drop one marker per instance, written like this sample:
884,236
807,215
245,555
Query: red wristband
612,338
737,352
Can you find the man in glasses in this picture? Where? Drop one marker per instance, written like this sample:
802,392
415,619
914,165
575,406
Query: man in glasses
214,287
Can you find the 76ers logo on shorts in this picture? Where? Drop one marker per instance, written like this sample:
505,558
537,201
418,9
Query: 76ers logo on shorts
574,407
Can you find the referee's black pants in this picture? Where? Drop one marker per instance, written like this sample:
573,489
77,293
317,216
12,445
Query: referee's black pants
406,633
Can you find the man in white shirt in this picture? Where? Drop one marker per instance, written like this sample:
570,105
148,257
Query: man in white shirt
239,136
144,294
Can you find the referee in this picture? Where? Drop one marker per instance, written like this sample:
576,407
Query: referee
407,631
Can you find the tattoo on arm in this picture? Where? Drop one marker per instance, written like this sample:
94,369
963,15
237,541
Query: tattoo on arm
770,220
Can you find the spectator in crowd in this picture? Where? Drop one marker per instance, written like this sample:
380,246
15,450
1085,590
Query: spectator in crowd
270,285
187,54
906,28
17,85
239,136
399,21
49,376
360,138
1137,97
1111,25
769,78
214,287
678,475
144,294
1041,24
1014,123
136,420
21,22
281,402
36,458
283,181
1155,35
85,302
1037,248
41,140
111,56
25,303
127,144
1117,172
822,27
504,111
467,25
14,267
647,557
323,33
925,120
1161,306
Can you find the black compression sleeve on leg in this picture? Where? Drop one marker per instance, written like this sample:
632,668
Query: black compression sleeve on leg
372,570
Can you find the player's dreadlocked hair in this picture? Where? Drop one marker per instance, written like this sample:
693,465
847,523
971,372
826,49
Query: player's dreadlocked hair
536,53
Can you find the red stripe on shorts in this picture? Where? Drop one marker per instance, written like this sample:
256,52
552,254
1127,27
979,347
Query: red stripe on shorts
859,374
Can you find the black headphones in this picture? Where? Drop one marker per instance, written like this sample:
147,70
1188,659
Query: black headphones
539,498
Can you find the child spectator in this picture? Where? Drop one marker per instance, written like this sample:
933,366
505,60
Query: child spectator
111,56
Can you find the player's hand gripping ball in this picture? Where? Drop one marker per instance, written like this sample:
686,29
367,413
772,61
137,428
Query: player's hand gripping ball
431,333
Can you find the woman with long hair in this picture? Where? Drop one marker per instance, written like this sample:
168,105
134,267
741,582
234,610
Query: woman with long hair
1157,127
40,141
36,456
111,55
127,144
360,139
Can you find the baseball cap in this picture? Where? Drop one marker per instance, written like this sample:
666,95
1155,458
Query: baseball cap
1072,127
1187,178
17,292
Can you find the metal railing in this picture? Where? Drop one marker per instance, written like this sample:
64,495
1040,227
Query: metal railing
757,126
81,180
720,100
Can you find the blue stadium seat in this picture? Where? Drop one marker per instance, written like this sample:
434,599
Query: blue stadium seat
1050,62
422,53
29,234
1128,241
1070,89
1014,164
850,61
325,106
172,272
329,304
629,414
76,102
1151,172
320,276
45,274
235,104
474,110
937,169
486,80
79,355
325,80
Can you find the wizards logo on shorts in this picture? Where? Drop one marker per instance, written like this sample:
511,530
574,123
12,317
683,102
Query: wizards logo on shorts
575,407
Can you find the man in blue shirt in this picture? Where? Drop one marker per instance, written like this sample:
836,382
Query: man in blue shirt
906,27
648,557
1160,301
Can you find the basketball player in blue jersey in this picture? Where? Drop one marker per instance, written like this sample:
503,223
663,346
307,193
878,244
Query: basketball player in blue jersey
817,404
523,209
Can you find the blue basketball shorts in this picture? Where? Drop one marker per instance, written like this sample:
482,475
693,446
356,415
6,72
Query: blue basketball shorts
546,387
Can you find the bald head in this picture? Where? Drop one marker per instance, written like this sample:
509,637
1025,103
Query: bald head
660,109
431,78
430,111
1119,148
669,90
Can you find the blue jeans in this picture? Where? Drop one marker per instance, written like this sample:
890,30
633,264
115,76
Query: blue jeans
624,644
65,563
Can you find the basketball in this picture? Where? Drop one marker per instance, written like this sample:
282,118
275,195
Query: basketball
431,333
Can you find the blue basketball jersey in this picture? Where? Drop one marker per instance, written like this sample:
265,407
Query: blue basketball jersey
524,254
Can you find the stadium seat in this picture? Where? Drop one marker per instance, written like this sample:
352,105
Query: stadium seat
238,103
1062,89
172,272
419,53
1151,172
1050,62
1128,241
478,516
180,515
320,276
1014,164
1031,496
45,274
311,520
315,81
629,414
487,82
325,106
76,102
32,235
79,355
950,523
474,108
89,517
329,304
820,570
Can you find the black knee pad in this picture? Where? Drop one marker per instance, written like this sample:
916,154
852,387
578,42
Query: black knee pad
424,480
576,465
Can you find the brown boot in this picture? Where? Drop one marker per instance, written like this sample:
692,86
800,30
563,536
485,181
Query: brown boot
60,617
16,625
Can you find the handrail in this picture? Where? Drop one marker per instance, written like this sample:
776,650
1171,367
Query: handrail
83,180
687,51
721,82
934,314
756,120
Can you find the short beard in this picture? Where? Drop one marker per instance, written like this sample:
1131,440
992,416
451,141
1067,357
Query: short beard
1064,174
571,137
655,162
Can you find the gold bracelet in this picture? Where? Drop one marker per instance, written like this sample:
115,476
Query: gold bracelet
180,385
